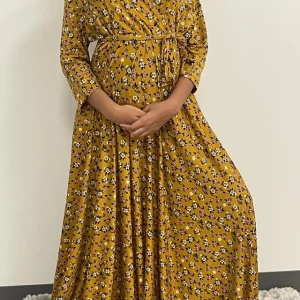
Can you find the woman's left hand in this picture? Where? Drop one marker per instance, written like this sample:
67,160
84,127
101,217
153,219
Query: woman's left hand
157,114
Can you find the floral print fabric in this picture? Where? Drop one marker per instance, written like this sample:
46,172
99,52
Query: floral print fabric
167,216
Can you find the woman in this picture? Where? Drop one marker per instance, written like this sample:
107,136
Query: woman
155,209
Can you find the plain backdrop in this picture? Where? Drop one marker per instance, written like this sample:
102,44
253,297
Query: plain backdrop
249,94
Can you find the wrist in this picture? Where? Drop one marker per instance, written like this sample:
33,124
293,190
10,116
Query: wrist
115,110
173,104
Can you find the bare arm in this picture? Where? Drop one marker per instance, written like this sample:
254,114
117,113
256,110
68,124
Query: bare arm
103,103
180,93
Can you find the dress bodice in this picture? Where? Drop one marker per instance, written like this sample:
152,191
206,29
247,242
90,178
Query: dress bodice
106,18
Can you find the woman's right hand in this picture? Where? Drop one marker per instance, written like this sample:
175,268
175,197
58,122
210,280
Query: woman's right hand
119,114
124,114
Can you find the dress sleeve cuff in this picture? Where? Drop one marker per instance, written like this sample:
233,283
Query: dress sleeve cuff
85,92
194,80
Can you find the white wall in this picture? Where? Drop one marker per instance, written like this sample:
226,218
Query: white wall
249,95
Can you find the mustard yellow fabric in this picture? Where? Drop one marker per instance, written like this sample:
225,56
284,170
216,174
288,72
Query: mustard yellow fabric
167,216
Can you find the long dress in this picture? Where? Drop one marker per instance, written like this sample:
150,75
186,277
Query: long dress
167,216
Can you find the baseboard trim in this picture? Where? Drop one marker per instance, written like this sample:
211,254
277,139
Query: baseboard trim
267,281
19,292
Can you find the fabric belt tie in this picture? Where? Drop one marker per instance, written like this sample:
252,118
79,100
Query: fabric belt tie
166,69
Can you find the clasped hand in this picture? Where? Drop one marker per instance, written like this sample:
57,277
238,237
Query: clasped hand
150,119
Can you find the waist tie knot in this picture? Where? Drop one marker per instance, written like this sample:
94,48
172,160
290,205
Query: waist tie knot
167,68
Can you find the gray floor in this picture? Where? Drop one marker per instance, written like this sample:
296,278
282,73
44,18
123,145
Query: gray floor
272,294
267,281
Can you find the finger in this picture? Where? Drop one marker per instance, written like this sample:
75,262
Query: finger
146,133
136,125
139,113
125,126
138,132
147,108
135,118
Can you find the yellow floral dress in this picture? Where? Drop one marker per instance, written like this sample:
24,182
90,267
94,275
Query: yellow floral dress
167,216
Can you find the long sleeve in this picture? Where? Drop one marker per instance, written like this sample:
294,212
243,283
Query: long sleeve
74,55
195,53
